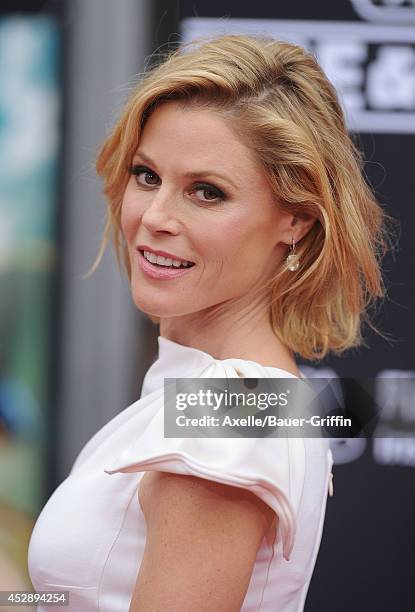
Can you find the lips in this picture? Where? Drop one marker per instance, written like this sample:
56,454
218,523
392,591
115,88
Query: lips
161,273
190,263
144,247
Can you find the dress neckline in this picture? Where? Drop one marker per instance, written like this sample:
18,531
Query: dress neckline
175,360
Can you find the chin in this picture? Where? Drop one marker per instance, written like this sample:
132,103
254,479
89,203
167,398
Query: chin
153,309
153,304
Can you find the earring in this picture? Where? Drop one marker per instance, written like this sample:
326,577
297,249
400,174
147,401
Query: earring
292,260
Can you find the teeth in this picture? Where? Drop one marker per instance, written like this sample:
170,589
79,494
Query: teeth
165,261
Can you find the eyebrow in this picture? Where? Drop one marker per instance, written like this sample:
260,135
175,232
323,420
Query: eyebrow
194,174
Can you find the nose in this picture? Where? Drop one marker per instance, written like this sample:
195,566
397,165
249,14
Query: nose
161,212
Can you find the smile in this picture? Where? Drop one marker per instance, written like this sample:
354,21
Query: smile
162,268
166,261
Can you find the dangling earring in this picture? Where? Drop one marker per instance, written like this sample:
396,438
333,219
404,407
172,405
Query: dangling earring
292,260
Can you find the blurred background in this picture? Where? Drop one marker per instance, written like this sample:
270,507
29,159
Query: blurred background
73,352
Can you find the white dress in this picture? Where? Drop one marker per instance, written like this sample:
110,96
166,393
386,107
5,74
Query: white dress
89,538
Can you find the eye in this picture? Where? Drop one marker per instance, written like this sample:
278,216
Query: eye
209,190
138,170
218,195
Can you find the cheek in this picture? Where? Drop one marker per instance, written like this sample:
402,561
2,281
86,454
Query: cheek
248,247
130,216
243,241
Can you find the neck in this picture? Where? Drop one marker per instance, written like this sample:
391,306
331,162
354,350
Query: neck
243,338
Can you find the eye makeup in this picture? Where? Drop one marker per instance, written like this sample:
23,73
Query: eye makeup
219,194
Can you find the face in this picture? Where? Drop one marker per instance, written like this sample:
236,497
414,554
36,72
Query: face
196,192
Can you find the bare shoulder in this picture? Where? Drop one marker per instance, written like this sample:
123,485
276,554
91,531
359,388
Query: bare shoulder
185,490
202,540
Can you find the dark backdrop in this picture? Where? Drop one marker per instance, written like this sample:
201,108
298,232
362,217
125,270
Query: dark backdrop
366,560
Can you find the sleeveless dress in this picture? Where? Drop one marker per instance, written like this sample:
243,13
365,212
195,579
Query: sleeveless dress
89,538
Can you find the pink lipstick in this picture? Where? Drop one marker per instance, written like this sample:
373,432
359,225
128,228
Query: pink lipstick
160,272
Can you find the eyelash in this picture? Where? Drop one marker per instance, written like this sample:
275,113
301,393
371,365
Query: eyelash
220,195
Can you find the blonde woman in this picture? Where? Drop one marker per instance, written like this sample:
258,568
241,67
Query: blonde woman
237,202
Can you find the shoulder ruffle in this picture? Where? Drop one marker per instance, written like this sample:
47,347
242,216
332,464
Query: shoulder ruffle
272,468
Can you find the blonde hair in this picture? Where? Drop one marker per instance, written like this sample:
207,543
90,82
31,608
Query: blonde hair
284,108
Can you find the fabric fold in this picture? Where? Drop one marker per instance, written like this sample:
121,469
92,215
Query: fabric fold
271,468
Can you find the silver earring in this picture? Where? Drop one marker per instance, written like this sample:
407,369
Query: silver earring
292,260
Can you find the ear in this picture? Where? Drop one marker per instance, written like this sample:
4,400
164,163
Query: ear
298,227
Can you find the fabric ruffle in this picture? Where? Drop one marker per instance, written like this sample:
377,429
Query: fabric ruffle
271,468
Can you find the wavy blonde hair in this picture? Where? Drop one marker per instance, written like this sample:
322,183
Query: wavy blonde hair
283,107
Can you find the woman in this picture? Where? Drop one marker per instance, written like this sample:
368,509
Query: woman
237,201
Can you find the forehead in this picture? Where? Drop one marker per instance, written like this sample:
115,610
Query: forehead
194,138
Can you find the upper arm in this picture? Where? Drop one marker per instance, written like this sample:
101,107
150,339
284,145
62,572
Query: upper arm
202,540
